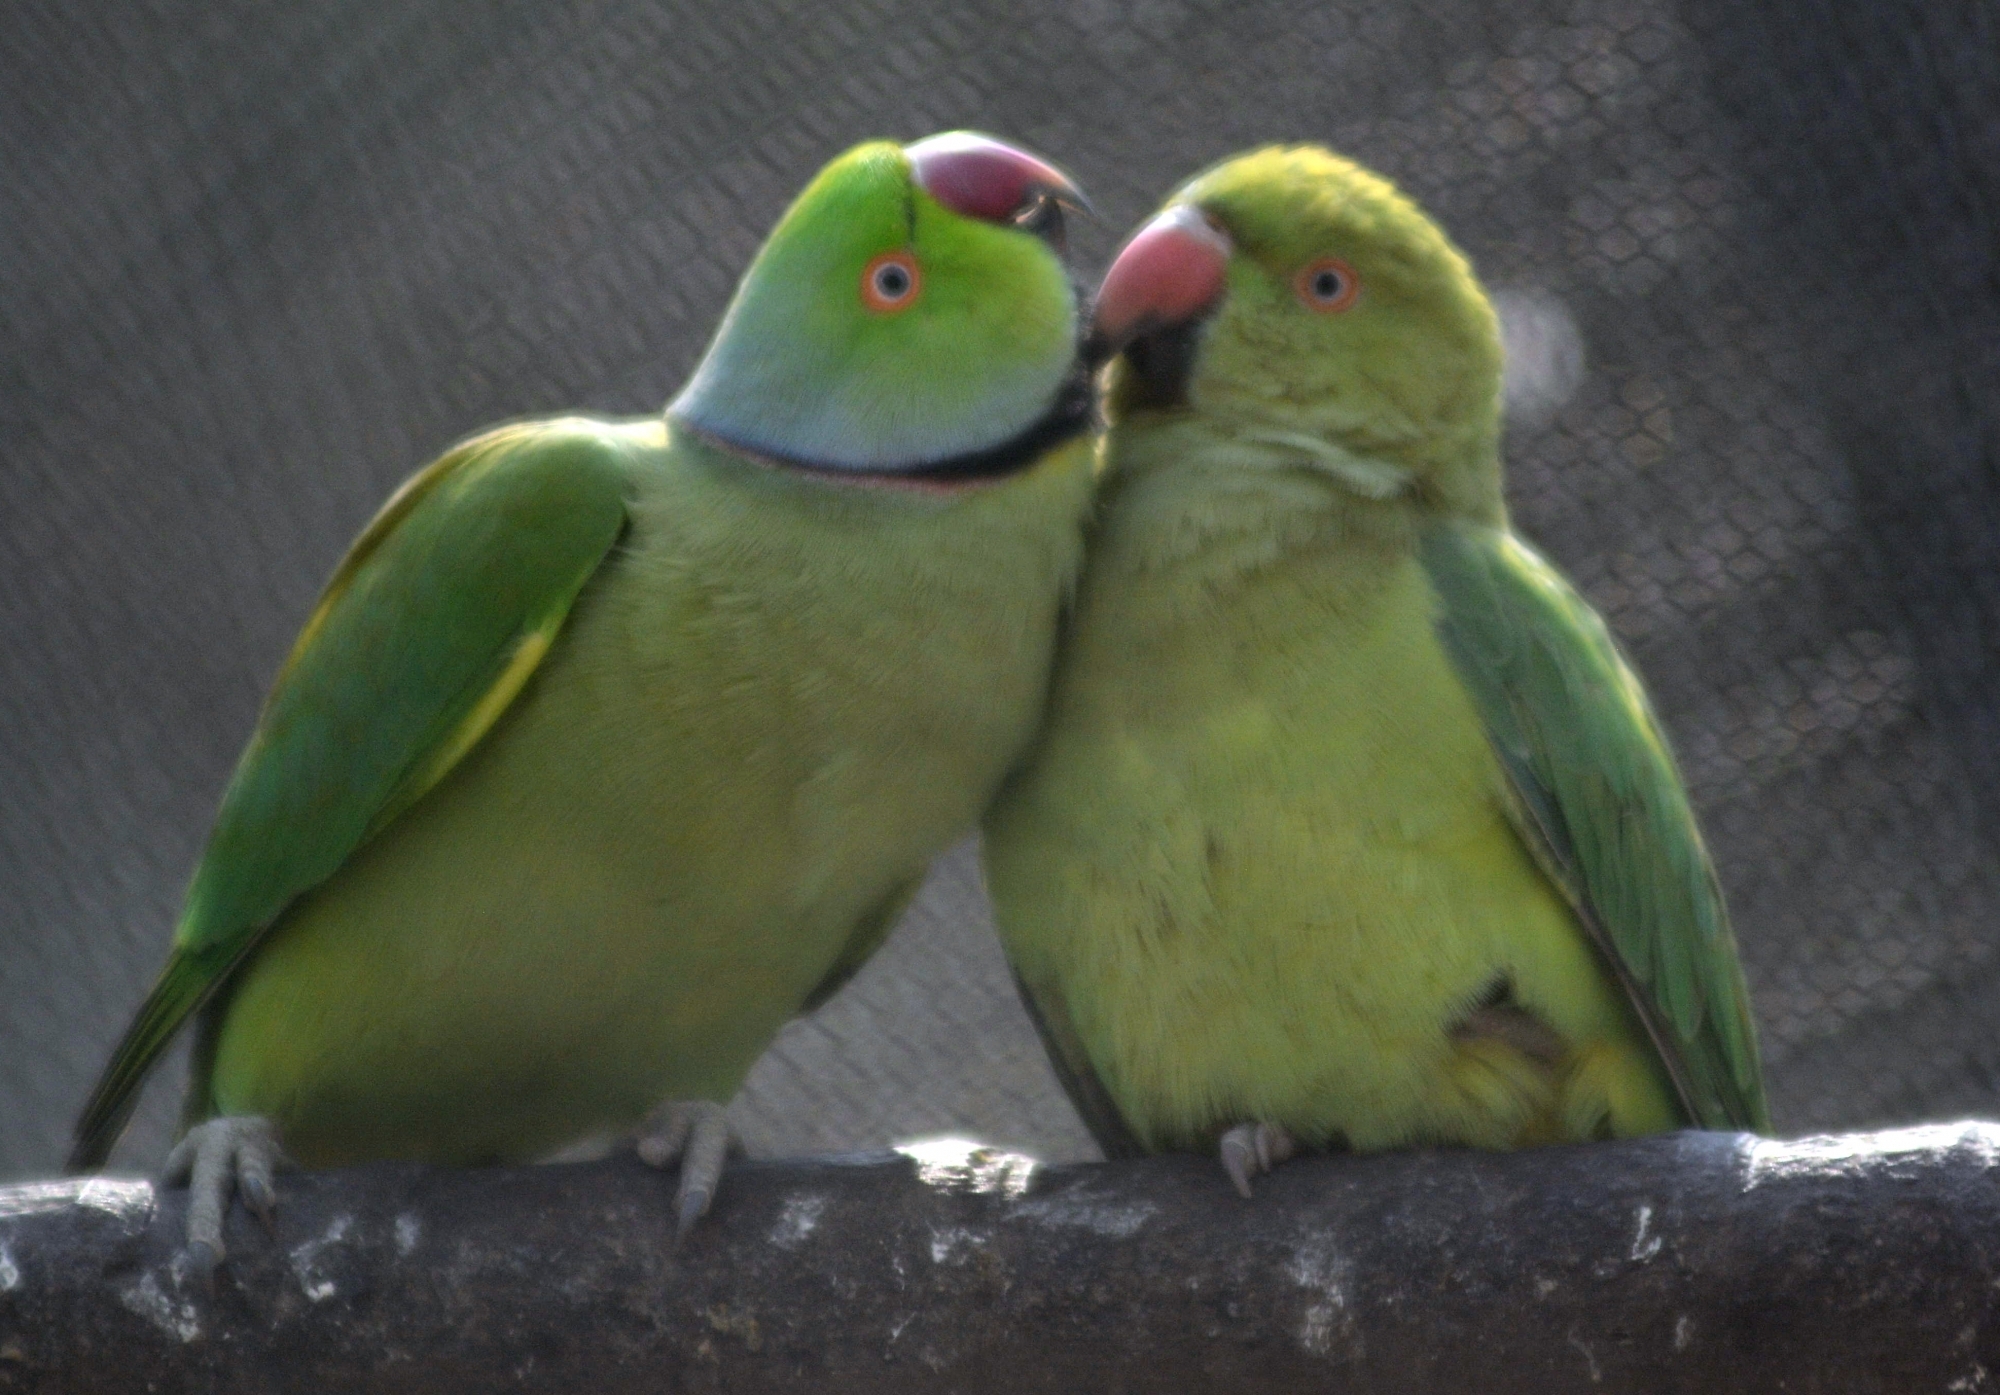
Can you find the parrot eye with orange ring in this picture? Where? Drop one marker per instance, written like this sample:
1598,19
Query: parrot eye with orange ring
891,283
1328,285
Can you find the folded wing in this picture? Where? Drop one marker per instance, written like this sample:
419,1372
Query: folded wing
434,621
1599,802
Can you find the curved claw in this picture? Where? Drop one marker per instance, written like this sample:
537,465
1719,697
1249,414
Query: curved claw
1239,1160
203,1260
254,1185
697,1133
1249,1150
692,1205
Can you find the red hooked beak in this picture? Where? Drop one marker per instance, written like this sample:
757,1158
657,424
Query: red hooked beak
988,179
1168,272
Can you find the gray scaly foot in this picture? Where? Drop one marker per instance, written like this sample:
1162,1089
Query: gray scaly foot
212,1158
1249,1150
697,1132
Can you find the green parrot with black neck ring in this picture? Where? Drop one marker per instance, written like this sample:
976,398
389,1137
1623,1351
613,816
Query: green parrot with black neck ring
1350,826
611,746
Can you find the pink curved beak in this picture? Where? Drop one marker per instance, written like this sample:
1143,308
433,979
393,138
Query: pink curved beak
987,179
1168,272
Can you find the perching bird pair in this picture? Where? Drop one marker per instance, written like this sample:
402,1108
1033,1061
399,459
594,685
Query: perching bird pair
1334,817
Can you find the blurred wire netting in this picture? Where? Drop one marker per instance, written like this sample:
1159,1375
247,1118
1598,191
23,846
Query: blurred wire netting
259,262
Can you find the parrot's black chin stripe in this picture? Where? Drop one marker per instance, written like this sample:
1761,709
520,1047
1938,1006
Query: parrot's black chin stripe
1069,415
1072,412
1162,362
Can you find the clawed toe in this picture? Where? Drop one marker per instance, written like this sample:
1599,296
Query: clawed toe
697,1133
213,1158
1249,1150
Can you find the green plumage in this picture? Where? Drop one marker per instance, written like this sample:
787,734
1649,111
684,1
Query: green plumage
479,554
1347,816
1602,808
609,748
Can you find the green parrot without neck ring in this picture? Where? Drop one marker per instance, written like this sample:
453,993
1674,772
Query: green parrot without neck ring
612,746
1349,826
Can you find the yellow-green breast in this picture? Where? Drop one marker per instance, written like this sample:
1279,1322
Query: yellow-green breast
766,714
1264,861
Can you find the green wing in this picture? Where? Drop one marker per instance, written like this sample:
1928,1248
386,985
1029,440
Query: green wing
432,623
1601,805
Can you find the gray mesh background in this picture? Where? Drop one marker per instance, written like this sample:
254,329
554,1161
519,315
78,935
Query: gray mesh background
259,262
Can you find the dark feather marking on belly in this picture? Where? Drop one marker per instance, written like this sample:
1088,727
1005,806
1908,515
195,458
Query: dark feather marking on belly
1496,1016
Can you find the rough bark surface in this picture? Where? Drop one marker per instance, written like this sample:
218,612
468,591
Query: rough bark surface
1695,1262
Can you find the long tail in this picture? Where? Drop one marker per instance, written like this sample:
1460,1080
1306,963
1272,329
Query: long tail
183,986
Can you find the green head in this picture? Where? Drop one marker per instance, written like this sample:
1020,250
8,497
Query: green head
910,315
1301,305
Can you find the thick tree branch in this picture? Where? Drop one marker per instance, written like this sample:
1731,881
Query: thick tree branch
1695,1262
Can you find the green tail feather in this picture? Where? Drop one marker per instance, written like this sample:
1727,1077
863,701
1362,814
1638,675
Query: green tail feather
187,982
